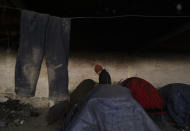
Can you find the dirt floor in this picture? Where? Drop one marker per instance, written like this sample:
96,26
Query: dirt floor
35,124
40,124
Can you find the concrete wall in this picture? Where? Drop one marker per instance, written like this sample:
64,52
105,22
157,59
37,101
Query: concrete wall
157,69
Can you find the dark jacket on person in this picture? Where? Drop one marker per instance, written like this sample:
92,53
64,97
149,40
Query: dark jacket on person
104,77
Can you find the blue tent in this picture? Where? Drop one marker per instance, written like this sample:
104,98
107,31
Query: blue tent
177,97
109,108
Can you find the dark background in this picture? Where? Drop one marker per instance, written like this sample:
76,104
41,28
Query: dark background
161,27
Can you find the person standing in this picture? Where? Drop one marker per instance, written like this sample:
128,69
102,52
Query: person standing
104,76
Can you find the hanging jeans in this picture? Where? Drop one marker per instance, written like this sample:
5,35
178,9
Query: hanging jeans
43,36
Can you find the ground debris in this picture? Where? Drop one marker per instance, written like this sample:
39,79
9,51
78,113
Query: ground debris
14,113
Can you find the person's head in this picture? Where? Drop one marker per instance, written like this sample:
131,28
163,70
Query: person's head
98,68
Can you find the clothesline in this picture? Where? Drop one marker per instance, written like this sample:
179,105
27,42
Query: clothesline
115,16
124,16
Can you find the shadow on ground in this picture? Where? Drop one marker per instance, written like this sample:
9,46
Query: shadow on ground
40,124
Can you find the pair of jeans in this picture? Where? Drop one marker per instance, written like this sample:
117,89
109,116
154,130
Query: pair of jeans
42,36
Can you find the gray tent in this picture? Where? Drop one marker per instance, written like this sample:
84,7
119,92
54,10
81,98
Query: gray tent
109,108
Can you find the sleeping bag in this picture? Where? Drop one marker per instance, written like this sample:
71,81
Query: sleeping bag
145,94
109,108
177,97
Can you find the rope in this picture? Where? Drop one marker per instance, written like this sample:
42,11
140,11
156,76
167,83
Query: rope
116,16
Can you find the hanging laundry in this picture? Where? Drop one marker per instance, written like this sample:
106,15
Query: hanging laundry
42,36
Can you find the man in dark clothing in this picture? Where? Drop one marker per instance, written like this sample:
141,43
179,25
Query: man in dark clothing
104,76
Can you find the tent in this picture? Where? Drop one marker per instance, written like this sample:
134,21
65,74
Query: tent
109,108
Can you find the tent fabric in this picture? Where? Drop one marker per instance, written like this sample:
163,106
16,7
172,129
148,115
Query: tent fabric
110,108
145,94
177,97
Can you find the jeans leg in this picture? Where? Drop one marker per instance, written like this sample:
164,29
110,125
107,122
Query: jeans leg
57,53
30,53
